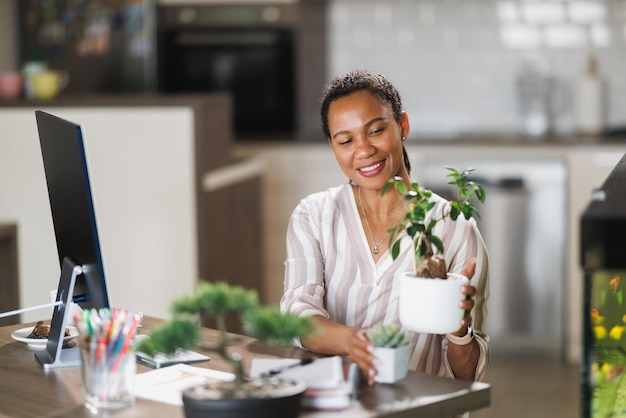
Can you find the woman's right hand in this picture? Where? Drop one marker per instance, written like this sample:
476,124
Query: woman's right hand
342,340
360,351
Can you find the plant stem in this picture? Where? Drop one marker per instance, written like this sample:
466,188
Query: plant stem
235,359
416,261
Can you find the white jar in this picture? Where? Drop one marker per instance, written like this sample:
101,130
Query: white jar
590,112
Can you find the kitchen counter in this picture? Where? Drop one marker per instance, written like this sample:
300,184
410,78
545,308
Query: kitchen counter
503,139
509,138
116,99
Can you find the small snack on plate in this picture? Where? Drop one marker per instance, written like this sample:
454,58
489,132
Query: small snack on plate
41,331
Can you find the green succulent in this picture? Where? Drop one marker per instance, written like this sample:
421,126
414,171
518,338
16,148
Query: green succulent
387,335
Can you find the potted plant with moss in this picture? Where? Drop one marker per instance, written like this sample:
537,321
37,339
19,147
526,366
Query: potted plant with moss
425,303
262,397
392,348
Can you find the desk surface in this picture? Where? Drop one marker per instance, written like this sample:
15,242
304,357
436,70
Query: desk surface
26,390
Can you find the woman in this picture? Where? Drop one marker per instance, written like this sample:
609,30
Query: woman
338,269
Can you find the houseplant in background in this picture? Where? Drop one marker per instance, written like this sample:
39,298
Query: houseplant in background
266,397
427,293
392,348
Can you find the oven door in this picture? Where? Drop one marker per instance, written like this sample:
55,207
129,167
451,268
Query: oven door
254,65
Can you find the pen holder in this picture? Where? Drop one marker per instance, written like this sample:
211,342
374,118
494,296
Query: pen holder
108,357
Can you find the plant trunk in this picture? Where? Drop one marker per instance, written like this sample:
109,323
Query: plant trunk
233,359
431,266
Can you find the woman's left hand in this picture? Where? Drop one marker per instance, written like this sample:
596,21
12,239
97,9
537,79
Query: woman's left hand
468,304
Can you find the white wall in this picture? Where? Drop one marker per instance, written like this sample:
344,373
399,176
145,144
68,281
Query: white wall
142,178
455,62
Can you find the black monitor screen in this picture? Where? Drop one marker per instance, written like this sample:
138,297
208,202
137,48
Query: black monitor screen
72,207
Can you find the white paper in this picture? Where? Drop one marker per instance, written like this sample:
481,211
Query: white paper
167,383
323,373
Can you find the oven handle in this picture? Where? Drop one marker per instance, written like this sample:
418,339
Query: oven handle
225,39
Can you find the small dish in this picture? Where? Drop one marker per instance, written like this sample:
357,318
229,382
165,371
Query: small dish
39,343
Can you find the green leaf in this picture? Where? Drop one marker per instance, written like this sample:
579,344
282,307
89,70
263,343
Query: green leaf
436,241
454,210
167,337
269,324
217,299
468,210
481,194
386,187
395,250
430,226
413,230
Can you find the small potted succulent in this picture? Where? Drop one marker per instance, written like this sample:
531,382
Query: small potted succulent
424,303
392,348
238,398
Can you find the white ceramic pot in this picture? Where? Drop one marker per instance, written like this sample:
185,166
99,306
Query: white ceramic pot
394,363
431,305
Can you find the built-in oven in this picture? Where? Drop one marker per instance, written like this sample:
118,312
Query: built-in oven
247,50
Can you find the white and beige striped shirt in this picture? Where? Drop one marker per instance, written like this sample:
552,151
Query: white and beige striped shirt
330,272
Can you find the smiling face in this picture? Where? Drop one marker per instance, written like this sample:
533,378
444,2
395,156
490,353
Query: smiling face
366,139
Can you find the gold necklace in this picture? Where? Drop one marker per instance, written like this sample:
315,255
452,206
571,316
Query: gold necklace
375,250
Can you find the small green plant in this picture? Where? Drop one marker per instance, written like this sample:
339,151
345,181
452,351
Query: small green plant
387,335
218,300
418,200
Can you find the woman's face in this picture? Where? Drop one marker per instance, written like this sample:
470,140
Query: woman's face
366,139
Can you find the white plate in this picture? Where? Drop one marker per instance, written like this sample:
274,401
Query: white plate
39,343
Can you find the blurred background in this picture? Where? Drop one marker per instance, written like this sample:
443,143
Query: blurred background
469,66
530,92
464,66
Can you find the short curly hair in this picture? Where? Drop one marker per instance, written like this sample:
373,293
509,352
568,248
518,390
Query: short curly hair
358,80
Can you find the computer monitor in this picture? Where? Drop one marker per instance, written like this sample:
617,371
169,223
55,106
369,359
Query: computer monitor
82,272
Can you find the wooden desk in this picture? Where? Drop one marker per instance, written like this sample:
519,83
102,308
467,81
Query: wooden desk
27,391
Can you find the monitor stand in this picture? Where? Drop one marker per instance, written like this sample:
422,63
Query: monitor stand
54,356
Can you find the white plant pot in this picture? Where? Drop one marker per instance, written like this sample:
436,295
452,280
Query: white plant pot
431,305
394,363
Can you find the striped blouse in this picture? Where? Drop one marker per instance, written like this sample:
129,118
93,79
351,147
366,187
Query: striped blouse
330,272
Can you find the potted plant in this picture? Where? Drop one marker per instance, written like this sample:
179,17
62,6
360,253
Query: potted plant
266,397
424,303
392,348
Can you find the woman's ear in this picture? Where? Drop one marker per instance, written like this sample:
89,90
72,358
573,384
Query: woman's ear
405,126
